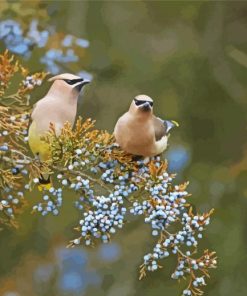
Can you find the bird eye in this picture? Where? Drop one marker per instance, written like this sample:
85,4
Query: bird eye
141,102
73,81
70,82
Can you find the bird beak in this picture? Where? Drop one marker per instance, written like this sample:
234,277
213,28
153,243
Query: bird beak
79,86
145,107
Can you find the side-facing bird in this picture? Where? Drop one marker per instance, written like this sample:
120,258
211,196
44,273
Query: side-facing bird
58,106
140,132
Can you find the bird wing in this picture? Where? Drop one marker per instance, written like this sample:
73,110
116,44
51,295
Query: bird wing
162,127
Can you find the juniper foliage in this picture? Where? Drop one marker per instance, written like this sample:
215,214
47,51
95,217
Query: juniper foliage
109,185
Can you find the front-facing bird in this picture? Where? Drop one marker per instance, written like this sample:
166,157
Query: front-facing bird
141,133
57,107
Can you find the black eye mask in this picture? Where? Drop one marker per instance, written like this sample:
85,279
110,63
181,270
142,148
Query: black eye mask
73,81
141,102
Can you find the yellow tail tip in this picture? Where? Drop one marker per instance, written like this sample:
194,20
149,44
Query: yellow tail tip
175,122
42,187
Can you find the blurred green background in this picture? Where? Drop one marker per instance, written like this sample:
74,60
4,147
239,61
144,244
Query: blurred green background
191,58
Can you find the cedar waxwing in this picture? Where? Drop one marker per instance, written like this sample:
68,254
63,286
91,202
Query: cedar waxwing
58,106
141,133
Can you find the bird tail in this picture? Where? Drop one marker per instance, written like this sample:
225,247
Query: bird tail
44,182
171,124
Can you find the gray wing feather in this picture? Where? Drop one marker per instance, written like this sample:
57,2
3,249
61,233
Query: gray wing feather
162,127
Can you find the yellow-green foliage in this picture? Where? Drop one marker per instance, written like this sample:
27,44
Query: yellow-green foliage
108,184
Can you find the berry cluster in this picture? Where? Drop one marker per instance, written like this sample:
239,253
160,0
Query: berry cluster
106,215
132,187
23,42
30,82
52,201
14,118
11,202
109,186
